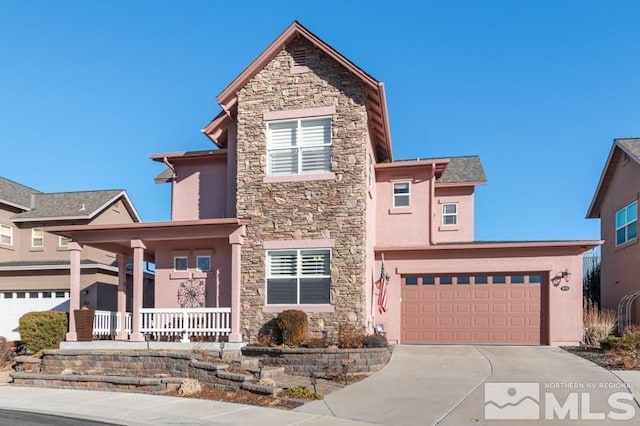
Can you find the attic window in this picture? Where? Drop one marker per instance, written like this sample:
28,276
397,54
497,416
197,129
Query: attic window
299,61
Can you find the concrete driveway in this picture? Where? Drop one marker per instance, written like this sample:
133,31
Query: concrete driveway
445,385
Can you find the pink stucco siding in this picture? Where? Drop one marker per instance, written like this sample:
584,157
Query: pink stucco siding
562,312
619,264
462,196
199,189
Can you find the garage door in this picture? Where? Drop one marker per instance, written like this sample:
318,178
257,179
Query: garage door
14,304
494,308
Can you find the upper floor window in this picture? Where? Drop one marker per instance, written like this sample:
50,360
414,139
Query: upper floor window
298,277
627,223
6,234
63,242
401,194
37,238
180,263
449,214
299,146
203,263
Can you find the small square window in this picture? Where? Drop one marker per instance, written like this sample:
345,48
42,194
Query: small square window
446,280
428,280
535,279
203,263
63,242
517,279
6,234
59,294
450,214
627,223
46,295
499,279
463,280
8,295
411,281
33,295
401,194
21,295
37,238
481,279
180,264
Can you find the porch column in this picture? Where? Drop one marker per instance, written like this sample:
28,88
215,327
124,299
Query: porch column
75,251
122,295
236,240
138,278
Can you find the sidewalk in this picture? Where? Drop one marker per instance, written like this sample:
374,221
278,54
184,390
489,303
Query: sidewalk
140,409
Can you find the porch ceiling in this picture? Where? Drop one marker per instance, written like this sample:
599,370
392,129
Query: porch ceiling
117,238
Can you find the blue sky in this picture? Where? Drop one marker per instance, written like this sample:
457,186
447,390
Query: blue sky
538,89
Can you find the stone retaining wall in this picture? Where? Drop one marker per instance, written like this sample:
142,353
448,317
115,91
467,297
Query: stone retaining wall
303,361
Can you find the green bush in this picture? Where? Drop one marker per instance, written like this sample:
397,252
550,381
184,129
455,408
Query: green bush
293,325
43,330
617,344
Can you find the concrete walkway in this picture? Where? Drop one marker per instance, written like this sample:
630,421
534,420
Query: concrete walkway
444,385
139,409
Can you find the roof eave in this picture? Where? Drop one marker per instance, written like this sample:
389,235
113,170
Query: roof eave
18,206
462,183
594,207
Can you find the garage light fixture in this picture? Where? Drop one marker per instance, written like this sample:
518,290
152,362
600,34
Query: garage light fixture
566,275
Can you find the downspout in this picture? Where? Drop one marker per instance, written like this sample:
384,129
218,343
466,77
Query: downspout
165,160
432,199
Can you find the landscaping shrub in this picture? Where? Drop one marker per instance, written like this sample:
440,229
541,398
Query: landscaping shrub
350,337
598,324
43,330
315,343
293,325
632,334
299,392
375,341
617,344
6,353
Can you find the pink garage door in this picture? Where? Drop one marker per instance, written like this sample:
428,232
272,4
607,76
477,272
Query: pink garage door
481,308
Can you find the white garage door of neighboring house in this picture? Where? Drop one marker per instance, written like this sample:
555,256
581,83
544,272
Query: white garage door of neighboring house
482,308
14,304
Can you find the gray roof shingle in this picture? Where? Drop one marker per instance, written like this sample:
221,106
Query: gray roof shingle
165,176
68,204
16,193
463,169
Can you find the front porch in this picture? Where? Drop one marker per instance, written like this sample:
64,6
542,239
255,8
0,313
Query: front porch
184,325
206,313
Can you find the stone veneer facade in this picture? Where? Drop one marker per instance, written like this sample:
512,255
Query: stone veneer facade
322,209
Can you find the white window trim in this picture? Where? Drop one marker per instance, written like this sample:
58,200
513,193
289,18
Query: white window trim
298,276
449,215
625,224
33,238
299,148
6,230
393,193
198,263
174,263
61,239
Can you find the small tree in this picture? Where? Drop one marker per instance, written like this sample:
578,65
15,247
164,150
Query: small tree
591,281
293,325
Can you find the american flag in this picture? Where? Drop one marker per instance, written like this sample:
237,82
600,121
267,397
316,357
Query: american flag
382,287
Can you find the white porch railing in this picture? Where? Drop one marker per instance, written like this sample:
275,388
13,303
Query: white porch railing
109,324
185,323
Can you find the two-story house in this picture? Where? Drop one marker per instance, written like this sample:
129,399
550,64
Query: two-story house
34,264
300,205
615,203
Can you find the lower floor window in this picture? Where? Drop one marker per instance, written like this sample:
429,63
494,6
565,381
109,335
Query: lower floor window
298,277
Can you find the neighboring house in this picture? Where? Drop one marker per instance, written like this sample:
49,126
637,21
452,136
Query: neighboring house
301,199
615,203
34,264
